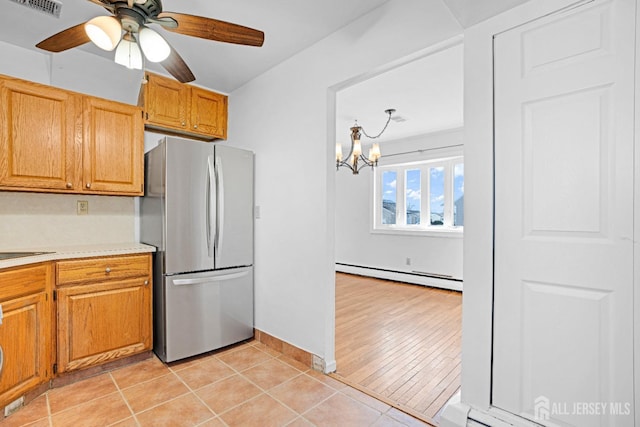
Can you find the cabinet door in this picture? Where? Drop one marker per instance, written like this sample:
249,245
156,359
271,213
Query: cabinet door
208,113
102,322
25,332
38,137
166,103
113,160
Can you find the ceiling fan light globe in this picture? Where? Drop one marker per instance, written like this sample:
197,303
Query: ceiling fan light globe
128,54
104,31
154,46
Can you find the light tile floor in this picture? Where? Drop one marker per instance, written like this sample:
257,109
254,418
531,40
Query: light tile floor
247,385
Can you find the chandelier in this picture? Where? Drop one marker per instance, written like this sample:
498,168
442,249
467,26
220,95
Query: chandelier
352,161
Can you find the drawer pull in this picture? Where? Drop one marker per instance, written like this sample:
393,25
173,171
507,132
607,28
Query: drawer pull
108,270
146,282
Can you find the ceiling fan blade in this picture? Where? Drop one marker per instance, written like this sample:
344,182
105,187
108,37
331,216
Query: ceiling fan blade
66,39
212,29
107,5
176,66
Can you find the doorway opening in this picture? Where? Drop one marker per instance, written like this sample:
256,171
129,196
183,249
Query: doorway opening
398,286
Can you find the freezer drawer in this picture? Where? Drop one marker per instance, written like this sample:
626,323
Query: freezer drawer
203,312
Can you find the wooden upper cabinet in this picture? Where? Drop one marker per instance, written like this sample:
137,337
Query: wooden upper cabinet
39,140
176,108
166,102
26,332
208,113
53,140
113,158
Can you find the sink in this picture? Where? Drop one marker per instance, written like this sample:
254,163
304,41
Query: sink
10,255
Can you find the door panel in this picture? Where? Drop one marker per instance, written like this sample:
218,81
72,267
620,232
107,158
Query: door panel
188,230
234,238
563,316
113,147
206,311
38,139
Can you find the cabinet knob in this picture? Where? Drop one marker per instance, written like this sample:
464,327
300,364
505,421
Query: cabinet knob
108,270
146,282
195,126
184,124
69,185
88,185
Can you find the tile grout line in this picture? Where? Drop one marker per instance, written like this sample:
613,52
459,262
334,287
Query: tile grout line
192,391
49,416
126,402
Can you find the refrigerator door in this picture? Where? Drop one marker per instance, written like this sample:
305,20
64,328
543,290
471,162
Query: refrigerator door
190,208
204,312
233,236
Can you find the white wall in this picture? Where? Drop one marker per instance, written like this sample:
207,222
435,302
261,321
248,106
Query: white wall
286,116
357,245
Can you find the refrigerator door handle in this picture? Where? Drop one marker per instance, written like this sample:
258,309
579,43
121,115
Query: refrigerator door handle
219,205
182,282
211,210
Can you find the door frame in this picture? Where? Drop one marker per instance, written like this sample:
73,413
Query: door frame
477,336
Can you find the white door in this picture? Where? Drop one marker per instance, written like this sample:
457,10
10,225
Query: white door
563,272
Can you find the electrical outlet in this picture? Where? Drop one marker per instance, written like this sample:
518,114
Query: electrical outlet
408,261
83,207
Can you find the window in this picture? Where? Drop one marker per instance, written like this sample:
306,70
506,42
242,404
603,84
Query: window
420,196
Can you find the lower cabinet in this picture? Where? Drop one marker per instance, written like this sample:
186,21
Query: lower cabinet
25,333
104,310
68,315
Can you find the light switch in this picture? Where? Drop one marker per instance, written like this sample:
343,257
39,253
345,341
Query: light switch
83,207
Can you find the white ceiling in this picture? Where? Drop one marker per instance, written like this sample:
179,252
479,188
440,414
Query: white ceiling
428,92
289,27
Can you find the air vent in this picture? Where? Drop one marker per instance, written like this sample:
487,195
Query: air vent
399,119
50,7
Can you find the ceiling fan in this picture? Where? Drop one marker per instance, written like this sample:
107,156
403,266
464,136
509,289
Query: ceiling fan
133,17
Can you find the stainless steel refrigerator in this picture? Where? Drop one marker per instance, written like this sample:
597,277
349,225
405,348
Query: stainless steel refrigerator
198,212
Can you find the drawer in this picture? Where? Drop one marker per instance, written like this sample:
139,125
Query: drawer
89,270
23,280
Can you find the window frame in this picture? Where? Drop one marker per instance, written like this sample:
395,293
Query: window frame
424,164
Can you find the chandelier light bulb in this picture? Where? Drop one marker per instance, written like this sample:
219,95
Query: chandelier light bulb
338,152
357,148
154,46
104,31
375,151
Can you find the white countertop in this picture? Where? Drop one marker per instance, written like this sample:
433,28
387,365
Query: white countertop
75,251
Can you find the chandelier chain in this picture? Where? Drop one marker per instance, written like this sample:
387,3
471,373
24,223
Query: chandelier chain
389,112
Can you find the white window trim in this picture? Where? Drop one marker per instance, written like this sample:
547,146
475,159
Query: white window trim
376,227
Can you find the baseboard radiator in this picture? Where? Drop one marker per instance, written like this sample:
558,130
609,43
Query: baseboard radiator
415,277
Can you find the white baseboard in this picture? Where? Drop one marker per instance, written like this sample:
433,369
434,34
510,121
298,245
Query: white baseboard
398,276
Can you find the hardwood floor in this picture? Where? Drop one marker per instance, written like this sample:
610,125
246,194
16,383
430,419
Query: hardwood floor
399,342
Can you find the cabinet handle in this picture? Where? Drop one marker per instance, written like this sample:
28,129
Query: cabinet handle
108,270
1,359
69,185
88,185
